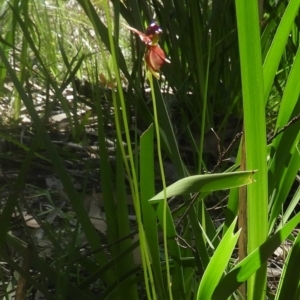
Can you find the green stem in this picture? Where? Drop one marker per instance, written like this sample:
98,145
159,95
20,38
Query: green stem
161,166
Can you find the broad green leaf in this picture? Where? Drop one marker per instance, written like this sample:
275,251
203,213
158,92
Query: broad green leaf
254,134
206,183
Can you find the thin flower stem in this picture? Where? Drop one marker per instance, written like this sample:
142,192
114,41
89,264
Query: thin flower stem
156,123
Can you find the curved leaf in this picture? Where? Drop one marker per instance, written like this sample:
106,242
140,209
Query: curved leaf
206,183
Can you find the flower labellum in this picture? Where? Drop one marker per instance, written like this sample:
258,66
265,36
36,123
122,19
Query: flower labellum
155,58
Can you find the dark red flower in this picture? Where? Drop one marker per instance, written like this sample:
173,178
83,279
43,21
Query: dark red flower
154,55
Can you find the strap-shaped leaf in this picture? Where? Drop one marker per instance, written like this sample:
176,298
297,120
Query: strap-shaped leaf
206,183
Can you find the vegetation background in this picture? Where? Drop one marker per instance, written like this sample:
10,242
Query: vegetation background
114,186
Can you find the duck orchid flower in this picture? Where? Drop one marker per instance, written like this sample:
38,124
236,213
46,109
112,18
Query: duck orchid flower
154,55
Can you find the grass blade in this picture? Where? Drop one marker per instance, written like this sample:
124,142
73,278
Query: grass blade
218,263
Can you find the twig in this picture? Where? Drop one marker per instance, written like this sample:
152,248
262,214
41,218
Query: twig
279,131
217,205
225,151
190,203
187,245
